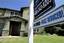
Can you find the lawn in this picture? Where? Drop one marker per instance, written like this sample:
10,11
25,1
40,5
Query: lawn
37,39
10,39
48,39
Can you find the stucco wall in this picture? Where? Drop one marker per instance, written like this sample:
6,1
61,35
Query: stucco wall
22,26
7,13
5,31
26,13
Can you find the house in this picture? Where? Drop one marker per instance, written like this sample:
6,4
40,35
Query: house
13,22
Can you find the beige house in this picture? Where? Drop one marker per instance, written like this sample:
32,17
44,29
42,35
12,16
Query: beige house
13,22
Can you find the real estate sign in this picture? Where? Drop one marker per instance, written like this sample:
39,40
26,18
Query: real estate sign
42,6
52,18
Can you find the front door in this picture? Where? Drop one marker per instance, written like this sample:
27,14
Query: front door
15,28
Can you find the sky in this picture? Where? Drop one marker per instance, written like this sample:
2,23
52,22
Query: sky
14,4
17,4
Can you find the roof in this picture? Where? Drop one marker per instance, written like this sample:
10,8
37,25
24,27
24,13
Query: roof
2,17
24,7
10,9
14,9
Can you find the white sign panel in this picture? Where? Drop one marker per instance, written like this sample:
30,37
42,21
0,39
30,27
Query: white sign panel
51,18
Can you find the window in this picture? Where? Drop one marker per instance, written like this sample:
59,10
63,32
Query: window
12,13
37,30
16,13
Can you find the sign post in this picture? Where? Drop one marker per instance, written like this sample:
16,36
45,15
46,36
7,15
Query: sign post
31,18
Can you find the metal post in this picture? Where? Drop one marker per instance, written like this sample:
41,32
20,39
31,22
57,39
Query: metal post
31,18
